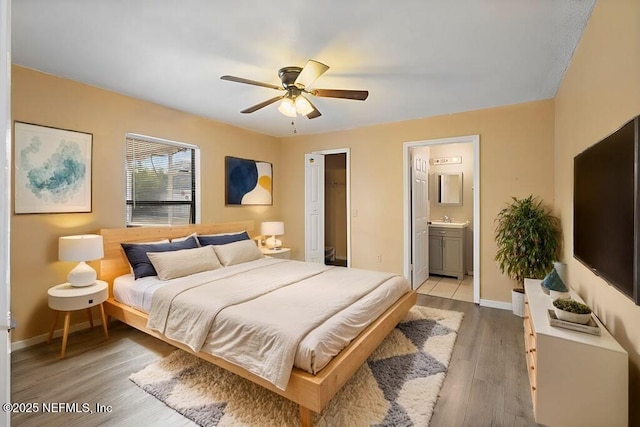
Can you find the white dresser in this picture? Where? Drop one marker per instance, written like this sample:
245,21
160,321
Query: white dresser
577,379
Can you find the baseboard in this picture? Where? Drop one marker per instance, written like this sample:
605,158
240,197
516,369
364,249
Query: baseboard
29,342
496,304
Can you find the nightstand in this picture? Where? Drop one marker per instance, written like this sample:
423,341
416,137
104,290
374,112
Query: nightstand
66,298
283,253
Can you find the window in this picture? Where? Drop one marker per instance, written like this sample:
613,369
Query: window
161,181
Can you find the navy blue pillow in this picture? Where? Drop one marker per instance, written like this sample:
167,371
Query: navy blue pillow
137,254
222,239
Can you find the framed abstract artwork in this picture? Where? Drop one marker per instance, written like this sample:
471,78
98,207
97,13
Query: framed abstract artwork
53,169
248,182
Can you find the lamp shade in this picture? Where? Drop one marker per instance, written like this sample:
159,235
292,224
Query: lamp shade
85,247
272,228
303,106
287,107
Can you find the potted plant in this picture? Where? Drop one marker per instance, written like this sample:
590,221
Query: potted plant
572,311
528,239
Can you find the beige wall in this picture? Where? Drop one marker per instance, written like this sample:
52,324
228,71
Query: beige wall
465,211
600,92
516,157
43,99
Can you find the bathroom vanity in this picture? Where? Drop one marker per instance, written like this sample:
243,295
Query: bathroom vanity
447,248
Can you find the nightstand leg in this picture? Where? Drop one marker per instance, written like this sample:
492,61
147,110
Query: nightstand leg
90,317
53,326
65,333
104,322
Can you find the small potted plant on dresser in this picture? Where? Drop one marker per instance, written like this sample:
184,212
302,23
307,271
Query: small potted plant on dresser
572,311
528,239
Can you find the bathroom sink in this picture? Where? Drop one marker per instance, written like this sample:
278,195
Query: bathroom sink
449,224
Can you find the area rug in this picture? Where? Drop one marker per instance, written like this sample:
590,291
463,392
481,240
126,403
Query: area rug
397,386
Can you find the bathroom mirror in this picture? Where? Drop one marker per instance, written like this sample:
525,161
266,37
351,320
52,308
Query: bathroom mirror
449,189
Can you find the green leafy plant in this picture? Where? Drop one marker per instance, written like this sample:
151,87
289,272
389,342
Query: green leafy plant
528,239
571,306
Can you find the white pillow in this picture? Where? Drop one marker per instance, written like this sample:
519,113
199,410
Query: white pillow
184,262
238,252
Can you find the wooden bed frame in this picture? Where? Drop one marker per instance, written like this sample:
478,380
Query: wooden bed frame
310,392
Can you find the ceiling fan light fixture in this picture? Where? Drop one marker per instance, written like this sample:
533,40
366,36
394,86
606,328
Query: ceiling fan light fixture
295,81
287,107
303,106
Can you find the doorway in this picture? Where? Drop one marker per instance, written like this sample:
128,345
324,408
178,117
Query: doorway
448,157
335,209
327,207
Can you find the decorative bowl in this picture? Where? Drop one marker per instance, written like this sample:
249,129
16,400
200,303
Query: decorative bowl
572,317
580,313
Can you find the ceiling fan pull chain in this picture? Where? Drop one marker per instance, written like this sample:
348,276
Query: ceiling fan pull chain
293,123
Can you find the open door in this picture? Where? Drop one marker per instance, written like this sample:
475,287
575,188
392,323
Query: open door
314,208
419,217
5,205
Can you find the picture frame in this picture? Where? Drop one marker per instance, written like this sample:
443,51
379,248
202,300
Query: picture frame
248,182
53,169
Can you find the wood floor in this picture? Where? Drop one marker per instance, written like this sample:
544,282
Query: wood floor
486,384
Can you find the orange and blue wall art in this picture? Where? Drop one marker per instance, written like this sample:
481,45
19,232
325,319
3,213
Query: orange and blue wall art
248,182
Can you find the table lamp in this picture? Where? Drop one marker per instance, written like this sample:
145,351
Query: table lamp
273,229
81,248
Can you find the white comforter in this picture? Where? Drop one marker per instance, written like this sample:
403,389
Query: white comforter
256,313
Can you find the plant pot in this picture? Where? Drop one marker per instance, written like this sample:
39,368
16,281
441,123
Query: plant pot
572,317
517,301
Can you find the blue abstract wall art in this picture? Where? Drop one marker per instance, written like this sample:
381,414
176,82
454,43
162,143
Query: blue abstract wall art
248,182
53,170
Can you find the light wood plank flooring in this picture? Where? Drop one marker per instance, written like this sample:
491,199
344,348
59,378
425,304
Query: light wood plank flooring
486,385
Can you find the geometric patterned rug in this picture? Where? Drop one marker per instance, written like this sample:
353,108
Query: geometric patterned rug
397,386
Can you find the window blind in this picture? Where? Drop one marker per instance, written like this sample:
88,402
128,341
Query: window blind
160,182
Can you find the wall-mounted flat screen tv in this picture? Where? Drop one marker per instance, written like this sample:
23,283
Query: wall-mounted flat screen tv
606,211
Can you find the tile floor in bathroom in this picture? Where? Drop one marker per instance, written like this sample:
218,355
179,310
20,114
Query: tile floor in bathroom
448,287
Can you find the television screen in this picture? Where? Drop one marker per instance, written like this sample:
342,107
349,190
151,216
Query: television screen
604,209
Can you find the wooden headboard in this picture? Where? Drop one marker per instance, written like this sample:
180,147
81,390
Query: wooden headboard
115,262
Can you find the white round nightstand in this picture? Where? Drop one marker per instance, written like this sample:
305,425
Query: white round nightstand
66,298
283,253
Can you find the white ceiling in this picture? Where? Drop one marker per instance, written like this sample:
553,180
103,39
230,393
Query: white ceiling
417,58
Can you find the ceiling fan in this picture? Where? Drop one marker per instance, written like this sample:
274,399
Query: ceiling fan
295,84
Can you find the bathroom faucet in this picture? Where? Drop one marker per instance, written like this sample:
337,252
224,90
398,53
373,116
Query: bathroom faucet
446,219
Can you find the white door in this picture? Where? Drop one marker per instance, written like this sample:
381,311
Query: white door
420,217
314,208
5,204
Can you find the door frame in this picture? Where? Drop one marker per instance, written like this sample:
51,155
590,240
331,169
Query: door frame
406,202
347,152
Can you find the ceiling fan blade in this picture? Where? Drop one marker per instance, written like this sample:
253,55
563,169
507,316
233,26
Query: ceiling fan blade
261,105
250,82
315,113
359,95
310,73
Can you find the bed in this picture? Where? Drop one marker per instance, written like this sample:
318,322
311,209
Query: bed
310,391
